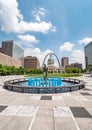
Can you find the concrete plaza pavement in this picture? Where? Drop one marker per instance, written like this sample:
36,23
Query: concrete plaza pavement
61,111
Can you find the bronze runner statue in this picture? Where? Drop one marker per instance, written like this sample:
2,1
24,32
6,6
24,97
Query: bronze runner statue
45,71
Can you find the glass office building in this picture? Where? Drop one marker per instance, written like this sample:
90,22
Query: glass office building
88,54
10,48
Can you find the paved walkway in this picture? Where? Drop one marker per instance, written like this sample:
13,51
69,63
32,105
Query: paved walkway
65,111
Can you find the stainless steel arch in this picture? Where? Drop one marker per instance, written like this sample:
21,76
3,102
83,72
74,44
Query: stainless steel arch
54,55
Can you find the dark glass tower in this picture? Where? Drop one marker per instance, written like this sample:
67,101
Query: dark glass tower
88,54
10,48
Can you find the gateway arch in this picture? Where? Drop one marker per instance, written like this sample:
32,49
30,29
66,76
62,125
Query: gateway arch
51,53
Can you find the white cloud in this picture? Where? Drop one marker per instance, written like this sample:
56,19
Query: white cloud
11,20
85,40
9,15
67,46
38,53
36,27
28,38
24,44
39,13
78,56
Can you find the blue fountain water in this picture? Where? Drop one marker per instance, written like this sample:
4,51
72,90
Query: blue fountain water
40,82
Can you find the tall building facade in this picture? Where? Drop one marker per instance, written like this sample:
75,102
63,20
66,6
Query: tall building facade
88,54
64,61
10,48
0,49
31,62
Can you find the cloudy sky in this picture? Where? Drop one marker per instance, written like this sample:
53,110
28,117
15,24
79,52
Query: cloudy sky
42,26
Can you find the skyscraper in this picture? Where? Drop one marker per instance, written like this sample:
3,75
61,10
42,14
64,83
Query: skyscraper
64,61
88,54
10,48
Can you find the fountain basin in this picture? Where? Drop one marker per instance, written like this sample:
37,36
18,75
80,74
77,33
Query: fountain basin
40,82
21,85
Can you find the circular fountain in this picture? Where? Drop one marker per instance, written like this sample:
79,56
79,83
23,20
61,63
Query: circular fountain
44,84
38,85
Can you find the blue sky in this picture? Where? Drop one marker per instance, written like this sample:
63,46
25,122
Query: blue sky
39,27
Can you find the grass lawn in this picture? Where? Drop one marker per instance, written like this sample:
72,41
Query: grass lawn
55,75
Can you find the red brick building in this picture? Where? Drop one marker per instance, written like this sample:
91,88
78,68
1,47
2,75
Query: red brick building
0,49
31,62
76,65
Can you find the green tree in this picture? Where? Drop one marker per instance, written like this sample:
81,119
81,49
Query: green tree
73,70
1,69
89,68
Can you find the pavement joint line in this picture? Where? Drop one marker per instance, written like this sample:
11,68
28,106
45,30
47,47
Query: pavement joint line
5,127
77,127
76,93
17,112
53,119
61,111
9,113
33,119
